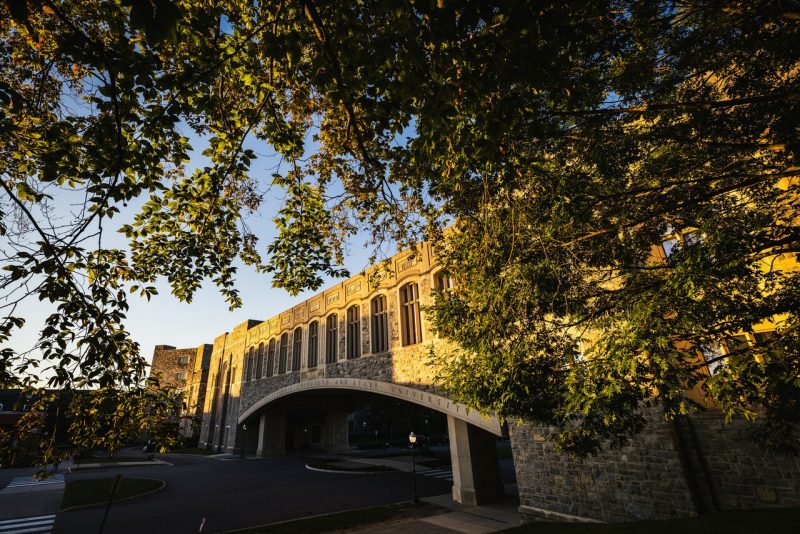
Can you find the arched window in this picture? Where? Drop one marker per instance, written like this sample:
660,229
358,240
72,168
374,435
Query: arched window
296,348
248,366
313,344
331,338
282,355
410,325
353,332
271,358
380,324
260,361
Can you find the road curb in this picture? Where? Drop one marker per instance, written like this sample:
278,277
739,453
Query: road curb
109,465
95,505
343,471
288,521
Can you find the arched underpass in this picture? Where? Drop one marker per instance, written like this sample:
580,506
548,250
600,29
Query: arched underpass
313,415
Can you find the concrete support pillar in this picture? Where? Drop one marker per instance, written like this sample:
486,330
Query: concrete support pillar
473,452
271,433
262,429
336,435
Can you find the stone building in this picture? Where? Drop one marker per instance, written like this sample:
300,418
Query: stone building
289,382
187,371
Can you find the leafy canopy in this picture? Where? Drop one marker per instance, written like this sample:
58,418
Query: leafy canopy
564,138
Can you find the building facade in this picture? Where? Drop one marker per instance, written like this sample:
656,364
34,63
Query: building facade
288,383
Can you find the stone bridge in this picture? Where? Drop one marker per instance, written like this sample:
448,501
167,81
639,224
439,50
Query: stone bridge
292,380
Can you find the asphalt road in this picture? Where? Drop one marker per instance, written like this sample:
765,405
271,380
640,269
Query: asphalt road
238,494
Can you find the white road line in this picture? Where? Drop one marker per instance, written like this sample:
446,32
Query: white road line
437,471
42,524
19,482
33,518
41,530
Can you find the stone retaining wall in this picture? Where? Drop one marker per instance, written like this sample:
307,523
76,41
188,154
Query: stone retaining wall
743,474
641,481
648,479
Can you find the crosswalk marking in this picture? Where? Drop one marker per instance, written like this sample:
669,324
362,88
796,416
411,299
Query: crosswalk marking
19,482
445,474
42,524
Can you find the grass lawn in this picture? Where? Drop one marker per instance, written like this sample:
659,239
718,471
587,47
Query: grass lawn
771,521
96,490
343,521
192,450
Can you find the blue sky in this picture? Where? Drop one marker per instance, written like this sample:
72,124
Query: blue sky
166,320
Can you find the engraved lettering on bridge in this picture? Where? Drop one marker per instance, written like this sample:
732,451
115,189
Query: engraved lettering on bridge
429,400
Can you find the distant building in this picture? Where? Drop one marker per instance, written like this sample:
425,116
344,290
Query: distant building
187,371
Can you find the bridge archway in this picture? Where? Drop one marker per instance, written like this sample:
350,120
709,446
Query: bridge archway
476,476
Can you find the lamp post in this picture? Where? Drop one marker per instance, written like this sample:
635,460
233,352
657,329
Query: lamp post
244,438
412,438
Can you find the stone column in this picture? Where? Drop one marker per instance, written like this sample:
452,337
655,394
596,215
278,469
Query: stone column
336,435
262,429
473,452
272,433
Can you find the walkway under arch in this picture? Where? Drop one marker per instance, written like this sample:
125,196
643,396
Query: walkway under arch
473,452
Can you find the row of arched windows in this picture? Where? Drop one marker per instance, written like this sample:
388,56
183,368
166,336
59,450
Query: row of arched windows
260,361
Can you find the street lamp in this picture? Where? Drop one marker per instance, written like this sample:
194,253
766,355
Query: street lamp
412,438
244,438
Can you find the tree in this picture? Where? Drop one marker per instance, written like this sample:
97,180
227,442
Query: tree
111,418
680,128
563,138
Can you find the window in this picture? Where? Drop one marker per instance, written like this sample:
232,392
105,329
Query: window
442,281
713,356
181,375
298,346
331,338
248,365
271,358
353,332
691,238
259,361
684,241
183,360
410,326
669,246
313,344
380,324
282,355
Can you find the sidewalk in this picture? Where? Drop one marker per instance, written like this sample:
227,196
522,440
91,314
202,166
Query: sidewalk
484,519
493,517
